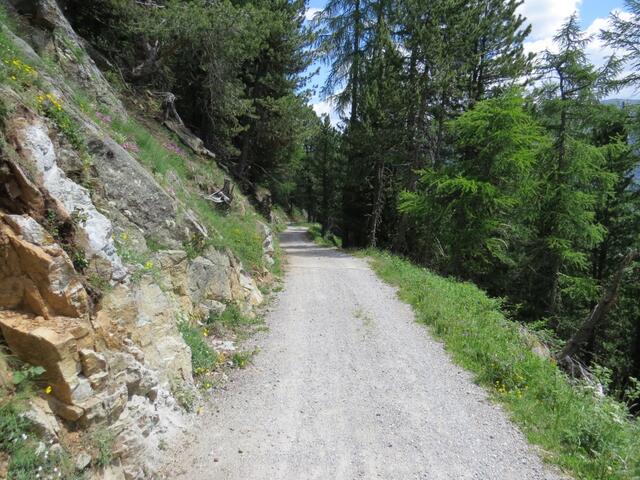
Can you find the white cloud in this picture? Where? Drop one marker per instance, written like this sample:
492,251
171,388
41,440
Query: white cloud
327,107
311,12
323,107
546,16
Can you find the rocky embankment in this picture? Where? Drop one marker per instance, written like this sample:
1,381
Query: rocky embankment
73,214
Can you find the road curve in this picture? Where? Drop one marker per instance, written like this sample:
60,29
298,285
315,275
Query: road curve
348,386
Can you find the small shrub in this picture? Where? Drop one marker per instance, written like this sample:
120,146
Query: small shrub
184,395
242,359
102,440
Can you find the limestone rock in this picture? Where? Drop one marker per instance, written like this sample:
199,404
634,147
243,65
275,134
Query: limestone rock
148,317
133,189
35,272
32,140
112,472
209,278
245,291
42,419
48,343
92,362
268,249
63,410
83,460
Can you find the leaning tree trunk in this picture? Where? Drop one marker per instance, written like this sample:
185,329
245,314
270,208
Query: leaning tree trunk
598,314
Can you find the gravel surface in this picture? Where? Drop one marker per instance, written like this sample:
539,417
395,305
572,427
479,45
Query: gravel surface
348,386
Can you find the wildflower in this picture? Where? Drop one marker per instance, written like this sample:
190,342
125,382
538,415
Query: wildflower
131,147
104,118
148,265
173,147
48,389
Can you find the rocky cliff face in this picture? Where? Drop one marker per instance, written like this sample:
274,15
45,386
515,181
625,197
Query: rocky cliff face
77,213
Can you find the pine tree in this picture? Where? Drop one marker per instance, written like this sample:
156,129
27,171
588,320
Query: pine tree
572,174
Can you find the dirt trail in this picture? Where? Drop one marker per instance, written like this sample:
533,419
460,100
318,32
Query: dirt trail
348,386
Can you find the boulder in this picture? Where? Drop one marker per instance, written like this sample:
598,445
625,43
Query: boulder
209,278
53,344
134,191
35,273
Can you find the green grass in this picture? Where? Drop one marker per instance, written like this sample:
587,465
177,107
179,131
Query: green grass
102,440
592,438
232,319
203,358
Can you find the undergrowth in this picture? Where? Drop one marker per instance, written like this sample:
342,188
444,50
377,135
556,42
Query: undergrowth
592,437
203,357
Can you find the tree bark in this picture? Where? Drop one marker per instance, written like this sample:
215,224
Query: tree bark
599,313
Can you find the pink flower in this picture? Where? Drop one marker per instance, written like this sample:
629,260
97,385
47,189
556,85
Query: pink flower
103,117
131,147
173,147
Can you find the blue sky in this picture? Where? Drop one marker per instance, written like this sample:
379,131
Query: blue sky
545,17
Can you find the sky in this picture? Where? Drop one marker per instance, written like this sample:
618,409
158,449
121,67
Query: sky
545,17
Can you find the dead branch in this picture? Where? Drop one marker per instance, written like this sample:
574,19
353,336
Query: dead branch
598,314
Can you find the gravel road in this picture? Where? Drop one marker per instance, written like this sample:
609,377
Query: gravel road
348,386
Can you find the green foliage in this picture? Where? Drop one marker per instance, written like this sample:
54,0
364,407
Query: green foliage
203,358
26,374
242,359
592,437
102,440
19,441
184,395
474,206
232,319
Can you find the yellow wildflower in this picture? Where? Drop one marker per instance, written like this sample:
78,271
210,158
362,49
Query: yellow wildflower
48,390
148,265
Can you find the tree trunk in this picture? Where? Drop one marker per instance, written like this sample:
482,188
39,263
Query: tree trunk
599,313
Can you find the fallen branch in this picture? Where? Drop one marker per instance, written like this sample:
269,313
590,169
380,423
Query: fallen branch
223,195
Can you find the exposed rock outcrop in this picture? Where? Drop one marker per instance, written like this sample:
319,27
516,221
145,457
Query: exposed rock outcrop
35,273
31,140
105,333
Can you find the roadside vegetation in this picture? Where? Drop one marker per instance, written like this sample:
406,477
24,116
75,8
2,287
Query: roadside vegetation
588,435
23,454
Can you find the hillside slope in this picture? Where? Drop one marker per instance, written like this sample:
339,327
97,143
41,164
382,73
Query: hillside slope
109,248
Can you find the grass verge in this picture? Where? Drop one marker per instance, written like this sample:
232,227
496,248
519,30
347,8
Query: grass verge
590,437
